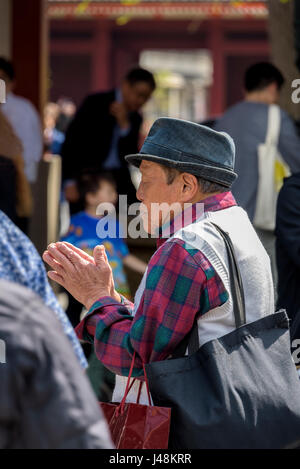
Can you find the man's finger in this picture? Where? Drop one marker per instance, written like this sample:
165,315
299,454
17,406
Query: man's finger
71,255
99,254
57,278
103,251
105,255
80,252
61,258
52,262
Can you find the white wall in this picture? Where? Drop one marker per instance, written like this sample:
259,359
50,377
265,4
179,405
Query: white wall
5,28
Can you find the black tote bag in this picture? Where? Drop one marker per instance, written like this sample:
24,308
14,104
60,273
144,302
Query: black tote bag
238,391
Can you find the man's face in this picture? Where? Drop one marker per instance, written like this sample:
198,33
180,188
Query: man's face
153,191
136,95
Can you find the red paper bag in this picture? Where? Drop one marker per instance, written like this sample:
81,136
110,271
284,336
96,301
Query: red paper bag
137,426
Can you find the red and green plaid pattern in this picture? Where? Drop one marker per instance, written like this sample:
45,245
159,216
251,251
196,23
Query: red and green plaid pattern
181,285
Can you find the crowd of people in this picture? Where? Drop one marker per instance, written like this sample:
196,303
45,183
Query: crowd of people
235,167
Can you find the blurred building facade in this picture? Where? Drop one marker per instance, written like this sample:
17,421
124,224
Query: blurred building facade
198,51
93,43
24,40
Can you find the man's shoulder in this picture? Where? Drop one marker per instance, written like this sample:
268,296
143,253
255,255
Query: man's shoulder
23,104
179,250
242,120
286,119
235,108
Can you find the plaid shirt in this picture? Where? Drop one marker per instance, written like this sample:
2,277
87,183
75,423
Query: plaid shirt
180,286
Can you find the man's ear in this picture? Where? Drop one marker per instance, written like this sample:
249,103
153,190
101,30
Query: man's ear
190,186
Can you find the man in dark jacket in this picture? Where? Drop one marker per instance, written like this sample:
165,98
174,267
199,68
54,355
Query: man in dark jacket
45,398
288,251
104,130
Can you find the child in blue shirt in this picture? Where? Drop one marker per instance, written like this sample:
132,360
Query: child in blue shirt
94,189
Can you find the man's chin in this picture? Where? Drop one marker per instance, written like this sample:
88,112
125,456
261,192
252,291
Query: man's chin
151,230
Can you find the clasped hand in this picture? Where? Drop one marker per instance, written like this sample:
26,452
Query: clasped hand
86,278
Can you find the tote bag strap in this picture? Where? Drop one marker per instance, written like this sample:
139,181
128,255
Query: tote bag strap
191,341
236,284
273,128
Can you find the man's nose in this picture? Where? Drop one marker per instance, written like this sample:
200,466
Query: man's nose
139,194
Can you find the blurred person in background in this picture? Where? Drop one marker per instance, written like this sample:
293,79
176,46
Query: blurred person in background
45,399
20,263
106,128
25,121
15,194
67,110
53,139
247,123
57,118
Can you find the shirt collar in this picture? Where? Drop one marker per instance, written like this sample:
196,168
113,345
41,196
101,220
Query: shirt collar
194,212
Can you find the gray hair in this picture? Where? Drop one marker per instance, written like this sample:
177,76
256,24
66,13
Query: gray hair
206,187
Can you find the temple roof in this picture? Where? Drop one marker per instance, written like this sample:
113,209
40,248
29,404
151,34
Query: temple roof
150,9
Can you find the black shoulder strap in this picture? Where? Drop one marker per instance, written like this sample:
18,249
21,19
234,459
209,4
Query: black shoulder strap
236,284
191,341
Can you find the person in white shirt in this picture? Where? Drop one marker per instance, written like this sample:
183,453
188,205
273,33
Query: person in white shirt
25,121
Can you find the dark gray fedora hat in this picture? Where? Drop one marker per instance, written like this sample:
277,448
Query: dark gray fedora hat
190,148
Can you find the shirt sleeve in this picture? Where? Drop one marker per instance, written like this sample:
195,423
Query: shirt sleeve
180,285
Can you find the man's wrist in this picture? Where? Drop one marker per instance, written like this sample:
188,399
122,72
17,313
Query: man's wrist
116,296
94,298
101,294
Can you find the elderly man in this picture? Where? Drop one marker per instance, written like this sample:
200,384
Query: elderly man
187,277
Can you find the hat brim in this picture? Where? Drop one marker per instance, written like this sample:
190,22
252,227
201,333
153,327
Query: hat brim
217,174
